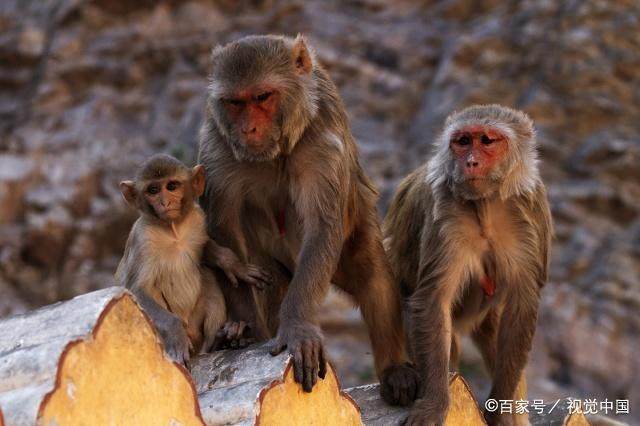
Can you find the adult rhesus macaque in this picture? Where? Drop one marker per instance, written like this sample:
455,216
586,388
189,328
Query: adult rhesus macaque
468,236
161,264
284,190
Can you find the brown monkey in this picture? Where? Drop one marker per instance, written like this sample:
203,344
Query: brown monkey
161,262
285,190
469,235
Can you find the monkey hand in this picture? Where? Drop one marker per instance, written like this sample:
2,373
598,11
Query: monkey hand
399,384
236,270
233,335
429,412
304,341
174,336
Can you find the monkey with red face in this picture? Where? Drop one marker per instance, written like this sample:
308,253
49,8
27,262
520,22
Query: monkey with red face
468,236
161,262
285,190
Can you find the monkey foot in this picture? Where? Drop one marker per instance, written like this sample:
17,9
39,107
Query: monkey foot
399,384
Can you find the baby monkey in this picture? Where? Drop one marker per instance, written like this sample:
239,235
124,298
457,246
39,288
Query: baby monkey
162,266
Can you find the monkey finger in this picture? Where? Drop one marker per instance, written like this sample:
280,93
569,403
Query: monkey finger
309,366
260,274
277,348
231,276
322,362
253,282
316,357
298,366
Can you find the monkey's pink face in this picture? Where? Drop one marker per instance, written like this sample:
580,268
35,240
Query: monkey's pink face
165,198
253,113
478,150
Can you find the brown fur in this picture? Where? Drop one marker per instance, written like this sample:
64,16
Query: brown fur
442,242
309,174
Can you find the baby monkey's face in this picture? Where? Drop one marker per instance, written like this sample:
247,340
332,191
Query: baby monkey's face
165,197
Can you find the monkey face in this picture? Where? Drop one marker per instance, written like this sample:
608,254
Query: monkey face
164,198
479,153
165,189
263,94
253,116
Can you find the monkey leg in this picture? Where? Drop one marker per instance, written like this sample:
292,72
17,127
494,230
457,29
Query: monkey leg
485,337
514,338
366,276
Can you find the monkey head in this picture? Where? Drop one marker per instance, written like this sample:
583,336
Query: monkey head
486,150
262,94
164,190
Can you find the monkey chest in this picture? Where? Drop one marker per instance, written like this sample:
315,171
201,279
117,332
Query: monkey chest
492,246
273,224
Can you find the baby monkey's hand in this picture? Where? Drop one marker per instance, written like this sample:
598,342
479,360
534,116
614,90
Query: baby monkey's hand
225,259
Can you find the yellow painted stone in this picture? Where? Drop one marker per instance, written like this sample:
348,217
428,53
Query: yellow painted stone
577,419
120,376
285,403
463,408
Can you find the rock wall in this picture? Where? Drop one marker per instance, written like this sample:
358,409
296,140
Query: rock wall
89,89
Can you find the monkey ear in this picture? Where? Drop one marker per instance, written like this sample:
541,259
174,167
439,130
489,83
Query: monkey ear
301,56
197,179
129,193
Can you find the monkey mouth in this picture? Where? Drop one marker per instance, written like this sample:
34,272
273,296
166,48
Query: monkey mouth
256,152
170,213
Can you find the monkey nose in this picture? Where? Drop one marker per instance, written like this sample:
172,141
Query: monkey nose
248,130
472,164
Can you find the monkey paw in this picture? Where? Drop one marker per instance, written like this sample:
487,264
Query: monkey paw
236,270
399,384
233,335
426,413
305,344
252,275
177,344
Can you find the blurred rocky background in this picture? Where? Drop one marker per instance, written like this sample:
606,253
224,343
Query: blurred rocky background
90,88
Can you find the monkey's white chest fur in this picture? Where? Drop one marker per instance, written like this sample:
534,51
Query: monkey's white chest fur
491,230
172,272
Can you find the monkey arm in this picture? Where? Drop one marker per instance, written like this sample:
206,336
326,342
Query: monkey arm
430,330
317,262
298,330
319,197
171,329
439,282
543,229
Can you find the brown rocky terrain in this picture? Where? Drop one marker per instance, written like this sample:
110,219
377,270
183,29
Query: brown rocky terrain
90,88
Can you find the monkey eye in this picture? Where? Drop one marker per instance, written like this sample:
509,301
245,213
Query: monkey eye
464,140
263,96
486,140
153,189
234,102
173,185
